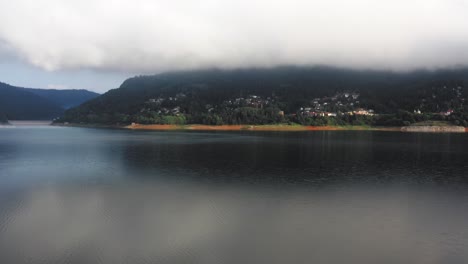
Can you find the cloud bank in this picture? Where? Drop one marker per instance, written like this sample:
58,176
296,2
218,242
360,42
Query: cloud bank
160,35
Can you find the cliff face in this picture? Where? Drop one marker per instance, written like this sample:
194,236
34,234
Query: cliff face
434,129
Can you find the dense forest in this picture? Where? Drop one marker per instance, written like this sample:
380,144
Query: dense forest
18,103
3,119
302,95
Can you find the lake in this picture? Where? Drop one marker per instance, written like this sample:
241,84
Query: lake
82,195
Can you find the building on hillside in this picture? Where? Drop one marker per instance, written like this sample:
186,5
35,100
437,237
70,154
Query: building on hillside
447,113
362,111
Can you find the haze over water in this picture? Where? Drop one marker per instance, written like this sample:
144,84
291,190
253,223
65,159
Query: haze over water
75,195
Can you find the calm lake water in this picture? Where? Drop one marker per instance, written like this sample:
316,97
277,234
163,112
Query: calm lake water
77,195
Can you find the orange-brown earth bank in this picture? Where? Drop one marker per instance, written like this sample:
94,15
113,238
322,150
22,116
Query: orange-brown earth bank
255,127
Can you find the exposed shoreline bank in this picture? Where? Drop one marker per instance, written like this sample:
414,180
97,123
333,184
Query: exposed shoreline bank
286,128
255,128
194,127
435,129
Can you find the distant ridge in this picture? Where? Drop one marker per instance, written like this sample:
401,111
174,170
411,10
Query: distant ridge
65,98
17,103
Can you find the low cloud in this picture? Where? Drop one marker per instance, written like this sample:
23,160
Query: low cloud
57,86
152,36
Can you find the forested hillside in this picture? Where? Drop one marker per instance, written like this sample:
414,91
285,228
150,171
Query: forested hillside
306,95
65,98
18,103
3,119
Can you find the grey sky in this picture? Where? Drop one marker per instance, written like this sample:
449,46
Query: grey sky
121,38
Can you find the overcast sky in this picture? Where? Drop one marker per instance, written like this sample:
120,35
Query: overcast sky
96,44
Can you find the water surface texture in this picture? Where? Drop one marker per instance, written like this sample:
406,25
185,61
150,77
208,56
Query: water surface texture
77,195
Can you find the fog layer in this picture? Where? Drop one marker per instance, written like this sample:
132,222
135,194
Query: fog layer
151,36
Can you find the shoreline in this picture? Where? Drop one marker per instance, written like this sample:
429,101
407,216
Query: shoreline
435,129
272,128
286,128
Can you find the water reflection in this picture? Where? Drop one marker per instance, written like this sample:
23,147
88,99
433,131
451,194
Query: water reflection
304,157
111,196
195,224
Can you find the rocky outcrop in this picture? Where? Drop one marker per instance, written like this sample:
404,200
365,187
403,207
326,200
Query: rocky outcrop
434,129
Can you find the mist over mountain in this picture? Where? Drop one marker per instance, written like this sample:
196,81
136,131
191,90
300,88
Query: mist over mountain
269,95
166,35
17,103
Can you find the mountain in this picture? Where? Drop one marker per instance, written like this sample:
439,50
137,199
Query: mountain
65,98
3,119
272,95
18,103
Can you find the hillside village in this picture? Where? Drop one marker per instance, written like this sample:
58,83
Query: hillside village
344,103
341,103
